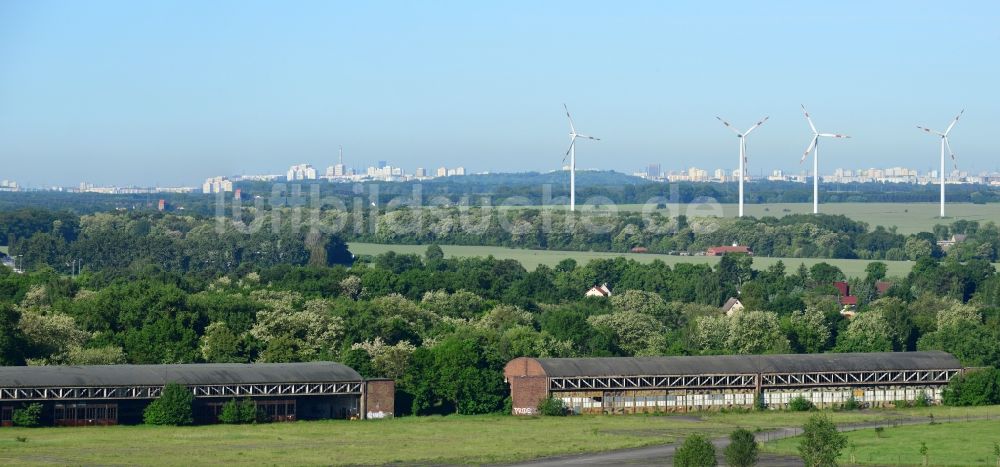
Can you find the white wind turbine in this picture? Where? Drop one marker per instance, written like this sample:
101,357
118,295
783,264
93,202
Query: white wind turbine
814,147
743,152
571,152
944,144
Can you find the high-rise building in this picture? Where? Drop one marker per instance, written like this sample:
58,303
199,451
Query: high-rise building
653,171
217,185
442,172
420,172
301,172
459,170
697,175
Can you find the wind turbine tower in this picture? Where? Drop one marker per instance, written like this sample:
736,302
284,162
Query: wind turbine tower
944,144
814,148
571,152
743,152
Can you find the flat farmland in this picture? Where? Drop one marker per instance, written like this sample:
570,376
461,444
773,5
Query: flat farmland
532,258
906,217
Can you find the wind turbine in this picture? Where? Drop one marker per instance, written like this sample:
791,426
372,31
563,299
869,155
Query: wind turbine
743,152
944,144
814,147
571,152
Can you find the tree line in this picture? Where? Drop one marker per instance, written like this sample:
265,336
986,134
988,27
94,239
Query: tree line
122,240
444,328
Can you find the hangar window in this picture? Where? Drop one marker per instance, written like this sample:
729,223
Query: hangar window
85,414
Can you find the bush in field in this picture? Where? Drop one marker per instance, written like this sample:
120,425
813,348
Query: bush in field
821,442
27,416
552,406
697,451
742,449
800,404
922,400
239,412
173,407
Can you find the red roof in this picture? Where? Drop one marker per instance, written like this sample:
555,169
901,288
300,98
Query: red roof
849,300
721,250
883,287
843,287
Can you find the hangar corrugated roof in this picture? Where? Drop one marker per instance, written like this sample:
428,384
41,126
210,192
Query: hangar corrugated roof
747,364
187,374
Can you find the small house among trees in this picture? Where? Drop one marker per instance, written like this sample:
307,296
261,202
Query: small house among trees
732,306
599,291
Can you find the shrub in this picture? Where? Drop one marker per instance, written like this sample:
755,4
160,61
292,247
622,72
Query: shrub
245,411
800,404
851,404
173,407
27,416
552,407
974,388
742,449
900,404
821,443
922,400
697,451
758,402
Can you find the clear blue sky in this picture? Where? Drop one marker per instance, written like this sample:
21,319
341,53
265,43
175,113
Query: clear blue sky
171,92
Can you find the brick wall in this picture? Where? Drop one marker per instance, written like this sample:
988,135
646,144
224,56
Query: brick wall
380,396
528,385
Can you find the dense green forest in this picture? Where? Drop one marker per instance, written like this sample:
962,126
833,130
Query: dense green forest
444,328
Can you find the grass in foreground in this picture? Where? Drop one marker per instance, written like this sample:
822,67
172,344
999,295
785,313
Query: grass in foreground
432,440
951,443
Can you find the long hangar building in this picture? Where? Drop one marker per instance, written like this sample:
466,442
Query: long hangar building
113,394
664,384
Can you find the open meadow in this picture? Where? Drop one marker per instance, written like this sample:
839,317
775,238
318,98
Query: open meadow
434,440
908,218
964,443
532,258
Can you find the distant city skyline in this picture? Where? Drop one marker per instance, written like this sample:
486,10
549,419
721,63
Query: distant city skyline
114,92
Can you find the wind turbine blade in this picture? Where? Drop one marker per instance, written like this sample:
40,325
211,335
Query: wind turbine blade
809,119
809,149
928,130
728,126
755,125
947,145
833,135
953,122
746,160
588,137
571,127
571,143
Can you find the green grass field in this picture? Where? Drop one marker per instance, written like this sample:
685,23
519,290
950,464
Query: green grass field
907,217
532,258
426,440
952,443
